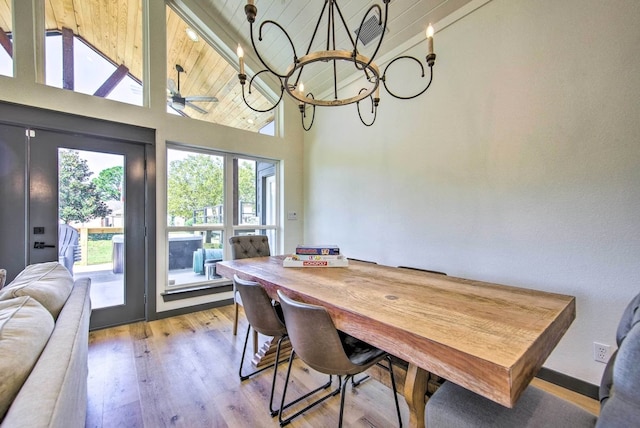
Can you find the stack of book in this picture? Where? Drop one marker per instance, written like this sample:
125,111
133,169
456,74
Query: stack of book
316,256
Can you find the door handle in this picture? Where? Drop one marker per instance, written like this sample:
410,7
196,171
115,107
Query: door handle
42,245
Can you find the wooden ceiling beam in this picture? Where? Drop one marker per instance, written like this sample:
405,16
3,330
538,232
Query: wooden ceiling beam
67,59
113,80
5,42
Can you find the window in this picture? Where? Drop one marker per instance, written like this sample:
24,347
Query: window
200,219
255,198
6,39
96,48
203,85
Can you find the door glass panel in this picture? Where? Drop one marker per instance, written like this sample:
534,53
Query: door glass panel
91,207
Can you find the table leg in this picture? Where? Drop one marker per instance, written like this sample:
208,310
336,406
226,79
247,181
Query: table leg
415,387
267,353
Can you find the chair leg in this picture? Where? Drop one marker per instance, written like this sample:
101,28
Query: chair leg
357,383
275,377
235,318
235,328
244,351
342,395
283,406
395,392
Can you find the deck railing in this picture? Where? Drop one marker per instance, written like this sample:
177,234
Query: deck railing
84,239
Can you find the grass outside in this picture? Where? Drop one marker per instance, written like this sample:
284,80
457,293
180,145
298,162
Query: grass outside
99,252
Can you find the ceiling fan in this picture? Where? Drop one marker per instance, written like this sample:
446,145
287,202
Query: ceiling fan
178,102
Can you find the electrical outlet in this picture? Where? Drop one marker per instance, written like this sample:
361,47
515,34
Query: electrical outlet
601,352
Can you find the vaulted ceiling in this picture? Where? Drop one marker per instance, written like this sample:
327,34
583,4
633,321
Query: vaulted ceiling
114,28
407,18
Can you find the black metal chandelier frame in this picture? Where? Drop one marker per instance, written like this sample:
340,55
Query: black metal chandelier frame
290,79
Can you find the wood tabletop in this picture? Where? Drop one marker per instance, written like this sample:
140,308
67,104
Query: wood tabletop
489,338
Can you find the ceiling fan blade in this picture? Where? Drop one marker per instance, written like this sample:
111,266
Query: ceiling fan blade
202,99
196,108
171,84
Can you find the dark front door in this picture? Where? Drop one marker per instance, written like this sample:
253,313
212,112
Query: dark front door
86,209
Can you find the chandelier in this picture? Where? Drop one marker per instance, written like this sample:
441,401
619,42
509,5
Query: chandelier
291,79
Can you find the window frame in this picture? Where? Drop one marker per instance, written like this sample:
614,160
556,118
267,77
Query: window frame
106,87
227,228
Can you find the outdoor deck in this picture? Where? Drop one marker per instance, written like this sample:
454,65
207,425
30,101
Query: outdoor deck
107,287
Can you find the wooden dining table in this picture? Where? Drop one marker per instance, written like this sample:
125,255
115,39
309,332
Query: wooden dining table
489,338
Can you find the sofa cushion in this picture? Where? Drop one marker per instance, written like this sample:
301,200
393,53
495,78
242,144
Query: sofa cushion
57,385
49,283
25,327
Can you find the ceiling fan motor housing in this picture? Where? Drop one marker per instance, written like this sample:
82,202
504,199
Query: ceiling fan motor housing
178,102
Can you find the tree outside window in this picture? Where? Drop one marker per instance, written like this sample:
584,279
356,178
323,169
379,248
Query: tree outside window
79,197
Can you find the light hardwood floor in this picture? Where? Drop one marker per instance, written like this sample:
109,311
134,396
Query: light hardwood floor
183,372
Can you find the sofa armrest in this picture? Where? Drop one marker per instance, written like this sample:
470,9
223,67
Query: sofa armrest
55,393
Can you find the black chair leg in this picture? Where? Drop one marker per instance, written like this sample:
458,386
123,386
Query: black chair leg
244,351
283,406
395,392
357,383
275,376
342,395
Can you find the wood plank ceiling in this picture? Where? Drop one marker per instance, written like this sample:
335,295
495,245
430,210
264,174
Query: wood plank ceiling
407,19
114,28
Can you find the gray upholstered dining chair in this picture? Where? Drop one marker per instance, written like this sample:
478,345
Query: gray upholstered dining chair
264,318
318,343
243,247
453,406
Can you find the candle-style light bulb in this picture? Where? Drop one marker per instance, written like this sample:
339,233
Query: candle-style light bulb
301,90
240,53
430,32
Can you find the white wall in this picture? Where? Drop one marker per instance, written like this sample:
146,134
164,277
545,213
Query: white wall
287,148
521,165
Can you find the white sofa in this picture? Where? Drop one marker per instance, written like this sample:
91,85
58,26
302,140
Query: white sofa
44,326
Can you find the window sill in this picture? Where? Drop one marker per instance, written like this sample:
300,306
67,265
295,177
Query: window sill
196,291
